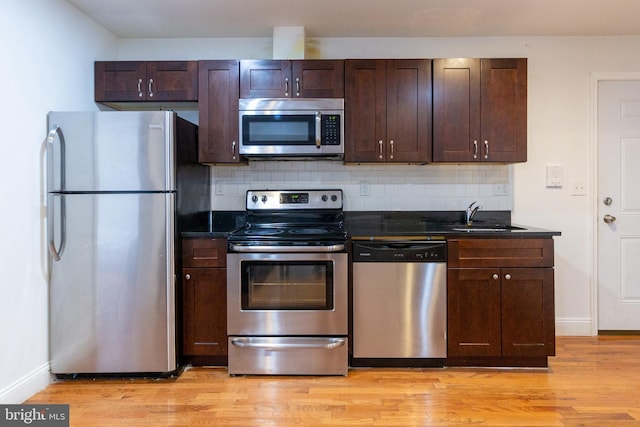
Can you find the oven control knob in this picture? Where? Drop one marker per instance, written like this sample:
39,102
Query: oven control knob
334,197
324,198
264,199
254,199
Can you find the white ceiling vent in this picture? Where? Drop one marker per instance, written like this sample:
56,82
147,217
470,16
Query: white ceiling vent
288,43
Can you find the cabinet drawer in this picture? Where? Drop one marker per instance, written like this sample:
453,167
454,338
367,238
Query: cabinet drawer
204,252
465,253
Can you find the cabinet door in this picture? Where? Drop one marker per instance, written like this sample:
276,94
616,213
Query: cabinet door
480,110
408,110
318,78
504,110
120,81
265,79
365,110
204,311
528,321
456,110
218,83
473,312
172,81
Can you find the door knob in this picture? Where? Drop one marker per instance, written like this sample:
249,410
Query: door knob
609,219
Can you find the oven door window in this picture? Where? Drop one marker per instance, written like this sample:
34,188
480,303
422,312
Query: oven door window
279,129
287,285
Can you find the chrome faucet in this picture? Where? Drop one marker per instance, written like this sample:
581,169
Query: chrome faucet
471,212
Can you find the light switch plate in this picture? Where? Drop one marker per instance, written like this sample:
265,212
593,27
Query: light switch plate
554,176
365,188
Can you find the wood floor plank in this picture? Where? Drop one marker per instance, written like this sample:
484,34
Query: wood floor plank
593,381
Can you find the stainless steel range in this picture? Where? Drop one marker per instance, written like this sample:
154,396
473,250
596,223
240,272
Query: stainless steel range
287,278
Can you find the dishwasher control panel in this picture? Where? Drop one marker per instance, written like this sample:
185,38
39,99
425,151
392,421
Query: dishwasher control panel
399,251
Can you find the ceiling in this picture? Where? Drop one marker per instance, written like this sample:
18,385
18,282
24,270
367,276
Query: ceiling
364,18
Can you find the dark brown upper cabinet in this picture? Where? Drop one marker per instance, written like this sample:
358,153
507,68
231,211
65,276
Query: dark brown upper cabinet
388,110
312,78
480,110
218,111
148,81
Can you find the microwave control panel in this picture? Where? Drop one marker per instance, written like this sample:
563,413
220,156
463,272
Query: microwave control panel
330,132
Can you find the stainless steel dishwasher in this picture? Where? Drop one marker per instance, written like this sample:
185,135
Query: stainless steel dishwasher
399,303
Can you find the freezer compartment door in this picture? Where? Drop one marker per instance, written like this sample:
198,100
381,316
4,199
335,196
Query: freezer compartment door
112,297
111,151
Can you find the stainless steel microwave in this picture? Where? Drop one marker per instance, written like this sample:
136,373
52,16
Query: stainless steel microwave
292,128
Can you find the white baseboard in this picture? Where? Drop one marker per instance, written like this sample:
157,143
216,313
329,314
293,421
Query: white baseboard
574,327
27,386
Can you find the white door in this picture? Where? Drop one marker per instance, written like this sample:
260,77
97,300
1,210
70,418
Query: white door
618,205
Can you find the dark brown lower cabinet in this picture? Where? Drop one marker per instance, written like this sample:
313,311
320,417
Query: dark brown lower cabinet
204,301
501,315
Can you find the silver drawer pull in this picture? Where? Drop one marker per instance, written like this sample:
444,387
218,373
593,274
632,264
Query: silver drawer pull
329,343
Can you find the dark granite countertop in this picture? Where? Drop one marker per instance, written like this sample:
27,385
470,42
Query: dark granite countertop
369,225
218,224
436,224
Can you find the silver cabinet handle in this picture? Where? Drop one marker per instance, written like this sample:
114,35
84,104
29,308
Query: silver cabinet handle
151,88
392,150
140,88
380,144
507,276
609,219
486,149
233,150
475,149
187,276
286,86
495,276
298,86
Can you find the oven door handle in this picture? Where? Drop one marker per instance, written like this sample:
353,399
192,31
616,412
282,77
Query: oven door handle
268,344
280,249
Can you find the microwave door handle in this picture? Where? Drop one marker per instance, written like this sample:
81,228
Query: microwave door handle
318,130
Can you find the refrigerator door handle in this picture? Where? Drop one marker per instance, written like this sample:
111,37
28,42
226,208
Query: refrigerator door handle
51,226
51,139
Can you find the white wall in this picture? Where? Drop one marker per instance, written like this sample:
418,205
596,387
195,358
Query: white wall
47,52
559,120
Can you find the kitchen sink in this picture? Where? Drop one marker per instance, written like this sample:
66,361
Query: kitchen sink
485,229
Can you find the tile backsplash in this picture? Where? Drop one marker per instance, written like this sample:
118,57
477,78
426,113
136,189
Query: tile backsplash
371,187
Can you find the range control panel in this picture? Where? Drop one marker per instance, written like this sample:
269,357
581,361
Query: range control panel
399,251
293,199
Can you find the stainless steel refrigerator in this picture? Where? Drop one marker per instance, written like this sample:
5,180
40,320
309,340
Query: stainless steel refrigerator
120,188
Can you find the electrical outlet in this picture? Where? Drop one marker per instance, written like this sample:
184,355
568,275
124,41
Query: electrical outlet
219,188
578,188
500,189
365,188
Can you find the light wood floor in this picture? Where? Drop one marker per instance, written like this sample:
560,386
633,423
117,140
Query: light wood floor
592,381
